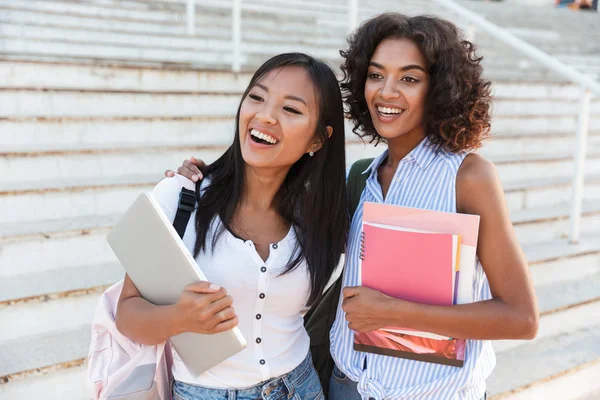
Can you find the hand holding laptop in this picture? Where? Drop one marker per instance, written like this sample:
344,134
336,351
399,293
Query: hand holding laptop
204,308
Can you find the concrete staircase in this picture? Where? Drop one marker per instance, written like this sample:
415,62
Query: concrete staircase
99,97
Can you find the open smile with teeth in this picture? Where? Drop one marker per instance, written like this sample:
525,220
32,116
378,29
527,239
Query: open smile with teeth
262,138
389,110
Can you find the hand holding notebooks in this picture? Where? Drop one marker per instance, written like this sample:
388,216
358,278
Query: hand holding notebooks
421,256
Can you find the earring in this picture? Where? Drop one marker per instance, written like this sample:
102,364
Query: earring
312,153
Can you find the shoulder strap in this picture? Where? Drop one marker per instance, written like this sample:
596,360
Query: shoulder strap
356,183
187,202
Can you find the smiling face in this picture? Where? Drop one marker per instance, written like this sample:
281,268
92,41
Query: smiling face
396,88
278,119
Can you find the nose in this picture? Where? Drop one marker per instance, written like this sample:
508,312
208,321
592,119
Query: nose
266,115
390,90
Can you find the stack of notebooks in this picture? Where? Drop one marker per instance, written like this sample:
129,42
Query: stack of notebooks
422,256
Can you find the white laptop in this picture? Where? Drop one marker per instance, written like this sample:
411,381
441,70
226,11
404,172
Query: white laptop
160,266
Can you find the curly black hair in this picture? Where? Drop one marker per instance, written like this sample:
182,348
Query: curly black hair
457,111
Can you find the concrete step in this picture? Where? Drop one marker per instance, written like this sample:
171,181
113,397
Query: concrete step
75,202
46,135
533,193
536,91
540,125
82,52
55,243
503,144
59,281
16,351
50,240
550,223
59,103
212,26
546,359
27,241
51,134
29,353
28,103
208,14
103,196
84,77
45,315
252,44
505,106
43,134
54,383
16,171
28,75
531,166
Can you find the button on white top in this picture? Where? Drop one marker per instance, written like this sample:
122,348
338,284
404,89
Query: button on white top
257,288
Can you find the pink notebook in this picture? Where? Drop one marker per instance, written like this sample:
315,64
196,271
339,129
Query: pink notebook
420,267
421,272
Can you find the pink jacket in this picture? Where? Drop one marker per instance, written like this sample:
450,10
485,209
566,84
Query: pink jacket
119,368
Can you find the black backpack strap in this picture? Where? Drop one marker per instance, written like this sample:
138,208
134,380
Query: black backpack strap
187,202
319,320
356,183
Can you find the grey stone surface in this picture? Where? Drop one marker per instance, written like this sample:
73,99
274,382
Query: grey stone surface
544,358
570,293
54,226
59,281
28,353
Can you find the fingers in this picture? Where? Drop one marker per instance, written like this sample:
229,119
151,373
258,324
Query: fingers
204,287
198,163
169,173
350,291
220,306
226,325
346,305
190,170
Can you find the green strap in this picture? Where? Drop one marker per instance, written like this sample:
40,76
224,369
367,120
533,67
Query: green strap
356,183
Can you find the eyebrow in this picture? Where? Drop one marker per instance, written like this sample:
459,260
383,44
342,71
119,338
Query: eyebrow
290,97
405,68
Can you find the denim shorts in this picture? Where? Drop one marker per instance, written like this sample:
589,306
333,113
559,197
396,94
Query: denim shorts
343,388
302,383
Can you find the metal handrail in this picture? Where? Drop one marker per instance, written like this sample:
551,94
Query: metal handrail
588,86
522,46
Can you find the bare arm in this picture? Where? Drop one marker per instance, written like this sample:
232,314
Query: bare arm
201,308
512,313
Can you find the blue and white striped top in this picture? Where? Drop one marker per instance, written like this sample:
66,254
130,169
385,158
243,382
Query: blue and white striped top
425,178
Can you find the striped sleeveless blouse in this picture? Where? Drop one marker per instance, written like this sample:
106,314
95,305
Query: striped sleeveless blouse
425,178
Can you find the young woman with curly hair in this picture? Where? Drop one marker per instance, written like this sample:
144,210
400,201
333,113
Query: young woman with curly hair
414,84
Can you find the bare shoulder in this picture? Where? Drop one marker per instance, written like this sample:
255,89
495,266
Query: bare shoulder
477,184
475,168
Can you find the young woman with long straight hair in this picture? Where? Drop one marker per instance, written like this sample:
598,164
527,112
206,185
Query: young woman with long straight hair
268,231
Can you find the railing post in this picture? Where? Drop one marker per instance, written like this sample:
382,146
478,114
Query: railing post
236,39
352,15
190,16
579,170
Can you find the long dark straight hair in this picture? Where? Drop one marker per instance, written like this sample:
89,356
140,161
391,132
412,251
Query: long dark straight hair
313,195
